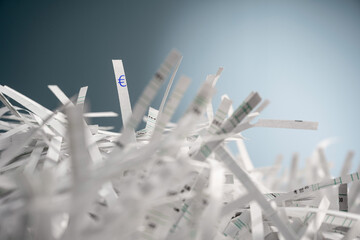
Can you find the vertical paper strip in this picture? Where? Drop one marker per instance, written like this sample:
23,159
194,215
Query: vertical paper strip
81,97
257,226
122,89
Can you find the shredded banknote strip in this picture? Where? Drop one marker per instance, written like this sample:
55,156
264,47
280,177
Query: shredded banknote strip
64,178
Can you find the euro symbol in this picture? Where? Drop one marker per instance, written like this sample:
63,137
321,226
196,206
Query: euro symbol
122,81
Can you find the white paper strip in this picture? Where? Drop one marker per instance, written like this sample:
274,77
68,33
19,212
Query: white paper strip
256,222
100,114
81,97
122,89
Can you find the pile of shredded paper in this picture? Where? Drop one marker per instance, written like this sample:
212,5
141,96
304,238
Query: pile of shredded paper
62,178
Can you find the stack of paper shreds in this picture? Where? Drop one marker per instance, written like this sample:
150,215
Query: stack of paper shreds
61,178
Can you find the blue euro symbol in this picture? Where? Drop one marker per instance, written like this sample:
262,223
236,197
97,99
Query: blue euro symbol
122,81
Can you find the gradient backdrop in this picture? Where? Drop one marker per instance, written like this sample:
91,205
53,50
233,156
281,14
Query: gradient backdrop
302,55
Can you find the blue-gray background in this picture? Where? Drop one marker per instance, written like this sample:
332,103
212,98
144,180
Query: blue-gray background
302,55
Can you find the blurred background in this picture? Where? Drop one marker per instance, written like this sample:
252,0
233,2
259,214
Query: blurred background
304,56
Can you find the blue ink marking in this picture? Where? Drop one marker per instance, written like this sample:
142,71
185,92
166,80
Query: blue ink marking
122,81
